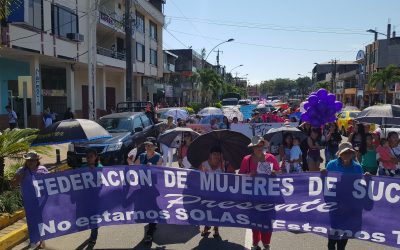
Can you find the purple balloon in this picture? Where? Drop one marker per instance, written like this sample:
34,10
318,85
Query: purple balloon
331,98
322,93
313,93
338,106
305,117
306,105
313,99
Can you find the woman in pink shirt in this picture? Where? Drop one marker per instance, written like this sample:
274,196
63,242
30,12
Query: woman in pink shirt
259,163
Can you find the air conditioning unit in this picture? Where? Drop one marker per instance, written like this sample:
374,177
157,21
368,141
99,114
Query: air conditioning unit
75,37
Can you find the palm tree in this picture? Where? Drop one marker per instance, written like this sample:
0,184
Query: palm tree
323,85
13,143
6,7
384,78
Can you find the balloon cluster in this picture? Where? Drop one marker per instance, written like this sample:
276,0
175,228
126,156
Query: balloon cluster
321,108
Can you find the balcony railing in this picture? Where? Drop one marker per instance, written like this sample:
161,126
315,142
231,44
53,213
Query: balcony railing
111,19
111,53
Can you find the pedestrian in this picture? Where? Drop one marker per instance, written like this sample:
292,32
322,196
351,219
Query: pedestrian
332,139
224,124
214,124
254,164
150,158
235,120
92,162
295,156
214,164
393,139
345,164
31,167
284,152
314,155
357,139
368,156
387,162
183,149
47,118
256,118
12,118
376,137
68,114
168,152
305,127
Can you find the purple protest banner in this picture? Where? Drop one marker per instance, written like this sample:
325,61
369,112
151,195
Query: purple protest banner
333,205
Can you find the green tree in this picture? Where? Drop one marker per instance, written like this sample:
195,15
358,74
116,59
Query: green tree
14,143
384,78
6,7
323,85
303,84
212,84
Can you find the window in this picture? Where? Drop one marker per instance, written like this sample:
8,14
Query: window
64,21
137,123
35,13
153,56
140,52
139,22
146,121
153,30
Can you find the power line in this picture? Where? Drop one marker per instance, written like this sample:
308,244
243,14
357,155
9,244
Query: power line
269,46
175,38
274,27
183,14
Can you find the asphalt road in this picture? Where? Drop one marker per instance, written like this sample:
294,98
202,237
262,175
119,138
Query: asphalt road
188,237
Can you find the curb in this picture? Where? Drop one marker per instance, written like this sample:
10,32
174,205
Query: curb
14,238
17,236
8,219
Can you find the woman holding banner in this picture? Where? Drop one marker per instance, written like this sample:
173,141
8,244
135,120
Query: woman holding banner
254,164
31,166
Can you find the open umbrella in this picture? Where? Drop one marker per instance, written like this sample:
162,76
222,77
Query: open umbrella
177,113
170,136
275,135
231,112
72,130
210,111
206,119
387,114
233,145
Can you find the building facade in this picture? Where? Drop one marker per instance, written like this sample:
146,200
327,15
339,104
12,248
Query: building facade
48,41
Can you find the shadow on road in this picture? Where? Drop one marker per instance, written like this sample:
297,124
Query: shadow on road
217,244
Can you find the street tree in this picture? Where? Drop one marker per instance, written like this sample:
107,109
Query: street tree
303,84
384,78
323,85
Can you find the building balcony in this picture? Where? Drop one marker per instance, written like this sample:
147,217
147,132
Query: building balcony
111,53
111,20
169,67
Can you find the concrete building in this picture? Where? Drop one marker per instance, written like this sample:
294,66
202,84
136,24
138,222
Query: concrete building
379,55
48,41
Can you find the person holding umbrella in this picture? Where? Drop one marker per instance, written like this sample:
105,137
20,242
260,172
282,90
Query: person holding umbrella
254,164
183,149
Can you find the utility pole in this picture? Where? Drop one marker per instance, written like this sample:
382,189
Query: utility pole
128,45
333,78
92,58
218,51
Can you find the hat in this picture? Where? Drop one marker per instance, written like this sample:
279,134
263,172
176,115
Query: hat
343,147
151,140
31,155
256,140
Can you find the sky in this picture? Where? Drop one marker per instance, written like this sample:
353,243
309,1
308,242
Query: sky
277,39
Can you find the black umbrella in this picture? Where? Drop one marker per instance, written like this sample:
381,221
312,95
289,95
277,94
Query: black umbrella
72,130
387,114
170,136
233,145
275,135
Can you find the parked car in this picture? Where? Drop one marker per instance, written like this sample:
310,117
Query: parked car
230,102
344,118
128,130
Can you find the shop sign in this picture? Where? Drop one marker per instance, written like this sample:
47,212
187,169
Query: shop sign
53,92
37,88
